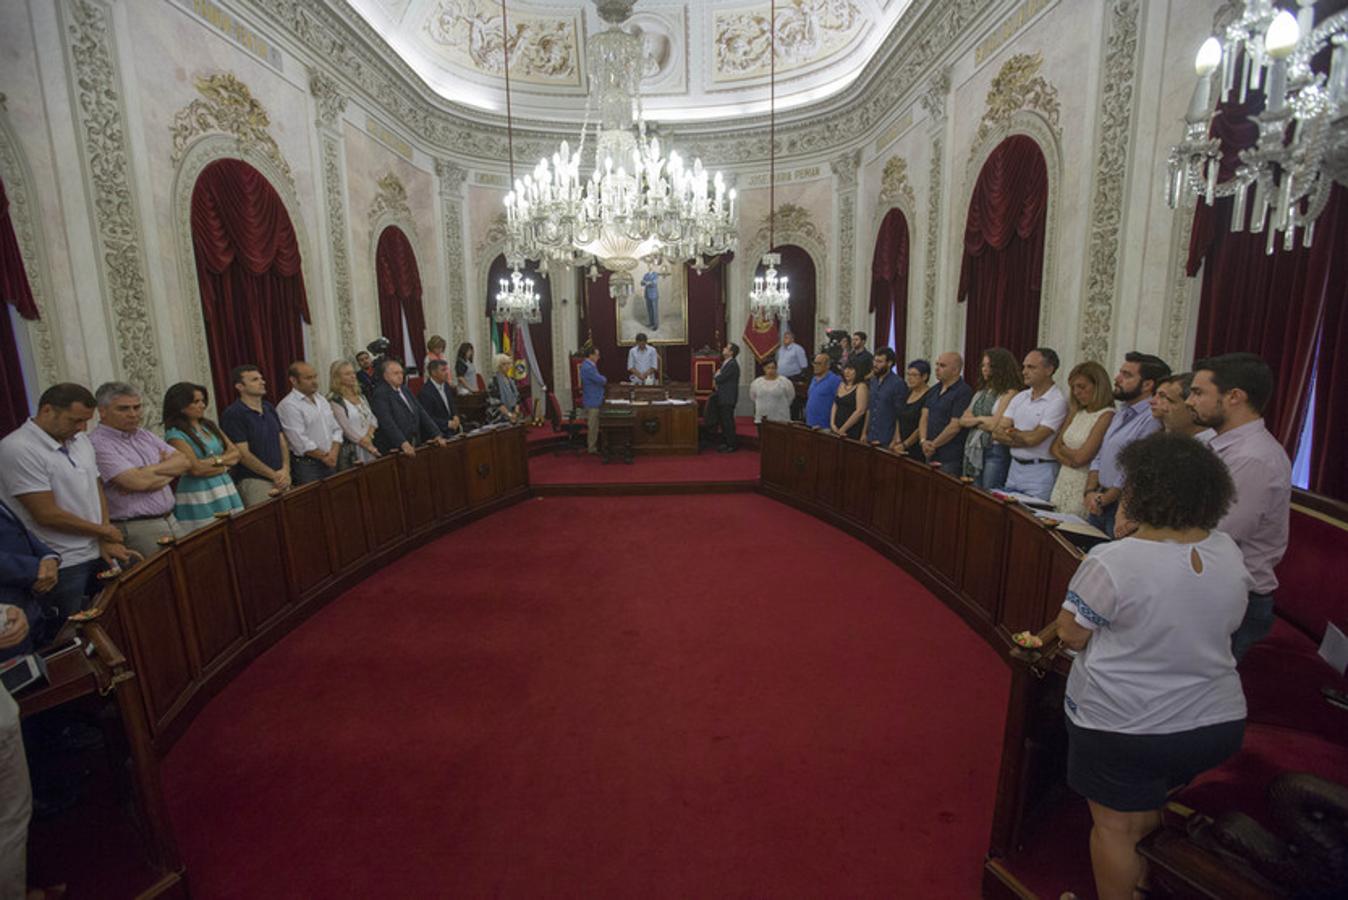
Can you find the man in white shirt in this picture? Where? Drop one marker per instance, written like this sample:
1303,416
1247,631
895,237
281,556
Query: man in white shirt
310,428
49,472
791,360
1028,426
643,363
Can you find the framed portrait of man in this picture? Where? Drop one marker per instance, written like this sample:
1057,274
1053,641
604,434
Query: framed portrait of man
657,308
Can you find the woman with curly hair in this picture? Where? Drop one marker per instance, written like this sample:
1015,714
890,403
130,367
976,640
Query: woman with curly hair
206,488
1153,698
985,461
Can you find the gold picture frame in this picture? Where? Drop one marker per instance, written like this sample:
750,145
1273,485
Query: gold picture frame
631,313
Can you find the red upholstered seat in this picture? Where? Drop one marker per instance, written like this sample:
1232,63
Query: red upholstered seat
1282,676
1306,597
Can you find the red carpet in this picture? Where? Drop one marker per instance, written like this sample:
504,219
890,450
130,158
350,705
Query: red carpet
742,465
704,696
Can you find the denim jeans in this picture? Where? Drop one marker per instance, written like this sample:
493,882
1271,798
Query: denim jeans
1035,479
1256,625
1105,519
73,587
996,463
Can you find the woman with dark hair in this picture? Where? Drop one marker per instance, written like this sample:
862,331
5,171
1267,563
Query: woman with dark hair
906,436
206,488
986,461
1153,698
465,373
850,404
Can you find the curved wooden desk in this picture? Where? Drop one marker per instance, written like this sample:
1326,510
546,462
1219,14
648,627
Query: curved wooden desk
190,617
997,566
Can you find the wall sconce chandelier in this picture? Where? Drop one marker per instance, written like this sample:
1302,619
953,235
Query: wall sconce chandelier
1283,181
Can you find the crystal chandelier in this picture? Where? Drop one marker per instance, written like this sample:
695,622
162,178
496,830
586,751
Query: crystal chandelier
637,205
516,301
1286,177
769,298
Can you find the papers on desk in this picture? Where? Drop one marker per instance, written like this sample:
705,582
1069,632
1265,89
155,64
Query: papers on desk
672,401
1073,523
618,401
1029,500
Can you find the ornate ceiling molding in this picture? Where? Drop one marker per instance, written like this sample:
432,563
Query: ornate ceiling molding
330,100
1018,86
933,99
339,39
228,107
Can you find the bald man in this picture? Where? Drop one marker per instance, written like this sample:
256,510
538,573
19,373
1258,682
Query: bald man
939,428
310,428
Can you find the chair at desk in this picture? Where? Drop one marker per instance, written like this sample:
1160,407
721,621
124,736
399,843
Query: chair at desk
572,427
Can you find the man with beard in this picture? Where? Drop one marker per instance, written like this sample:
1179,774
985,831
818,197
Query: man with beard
1133,387
1228,395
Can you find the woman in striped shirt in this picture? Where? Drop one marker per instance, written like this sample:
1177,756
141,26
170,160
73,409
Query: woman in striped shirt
206,488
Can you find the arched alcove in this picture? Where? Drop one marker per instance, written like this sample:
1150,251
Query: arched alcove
1002,271
402,318
889,282
249,277
798,266
540,334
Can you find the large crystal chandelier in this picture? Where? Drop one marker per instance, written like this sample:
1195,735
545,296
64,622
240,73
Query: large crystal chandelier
769,299
516,301
637,205
1283,181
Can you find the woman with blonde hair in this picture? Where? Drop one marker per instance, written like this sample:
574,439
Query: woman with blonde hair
503,388
435,349
1090,410
352,412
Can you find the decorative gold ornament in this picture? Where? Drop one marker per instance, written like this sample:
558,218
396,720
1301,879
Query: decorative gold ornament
228,107
1018,86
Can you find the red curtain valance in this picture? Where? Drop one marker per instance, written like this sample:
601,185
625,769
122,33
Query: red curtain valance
249,272
399,284
1001,276
15,291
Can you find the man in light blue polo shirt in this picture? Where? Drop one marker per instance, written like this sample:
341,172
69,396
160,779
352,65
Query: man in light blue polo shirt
1133,388
824,384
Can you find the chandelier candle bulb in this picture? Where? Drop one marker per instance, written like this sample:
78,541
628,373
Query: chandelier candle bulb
1283,36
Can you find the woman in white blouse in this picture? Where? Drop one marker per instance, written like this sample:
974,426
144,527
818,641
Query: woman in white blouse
772,394
352,412
1153,698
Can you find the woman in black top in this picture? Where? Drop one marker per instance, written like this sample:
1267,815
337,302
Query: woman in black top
906,440
850,404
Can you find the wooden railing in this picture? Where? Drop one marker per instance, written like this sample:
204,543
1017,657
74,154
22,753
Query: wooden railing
1001,569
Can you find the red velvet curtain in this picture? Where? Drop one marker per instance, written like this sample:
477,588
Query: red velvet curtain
1287,307
889,283
399,284
1001,276
248,269
706,322
14,291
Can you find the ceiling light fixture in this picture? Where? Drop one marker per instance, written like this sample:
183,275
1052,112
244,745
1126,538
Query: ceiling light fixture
516,301
770,298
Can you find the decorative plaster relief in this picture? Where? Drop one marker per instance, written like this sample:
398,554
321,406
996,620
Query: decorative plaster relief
542,50
101,132
933,99
894,185
1114,131
331,102
18,180
228,107
452,177
845,169
933,249
664,42
808,32
391,203
1018,86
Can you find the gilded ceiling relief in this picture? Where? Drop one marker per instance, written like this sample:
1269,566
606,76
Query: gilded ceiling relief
542,50
808,32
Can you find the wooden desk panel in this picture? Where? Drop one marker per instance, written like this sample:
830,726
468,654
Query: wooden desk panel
379,481
151,618
804,463
306,525
511,455
215,614
1027,572
414,479
776,457
480,469
915,528
946,541
451,494
884,491
662,429
256,558
855,481
349,540
983,556
828,461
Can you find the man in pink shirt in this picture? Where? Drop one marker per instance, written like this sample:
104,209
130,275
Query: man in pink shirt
1228,395
137,469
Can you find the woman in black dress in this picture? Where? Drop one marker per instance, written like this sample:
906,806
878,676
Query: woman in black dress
906,440
850,405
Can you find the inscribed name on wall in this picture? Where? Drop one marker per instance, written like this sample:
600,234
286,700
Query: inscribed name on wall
233,30
1008,27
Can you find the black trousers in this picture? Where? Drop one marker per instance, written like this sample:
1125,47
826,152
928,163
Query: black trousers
726,413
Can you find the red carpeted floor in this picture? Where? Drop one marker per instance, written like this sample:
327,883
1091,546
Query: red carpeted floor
705,696
707,466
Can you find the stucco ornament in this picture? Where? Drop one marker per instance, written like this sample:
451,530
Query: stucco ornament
808,31
541,49
226,105
1018,86
391,202
895,188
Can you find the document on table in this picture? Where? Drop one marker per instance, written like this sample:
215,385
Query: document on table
1029,500
1071,522
1334,648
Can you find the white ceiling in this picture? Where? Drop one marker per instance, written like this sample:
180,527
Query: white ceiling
706,59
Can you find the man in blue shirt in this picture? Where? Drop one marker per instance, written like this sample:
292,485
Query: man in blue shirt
939,428
592,397
1133,388
650,283
887,395
819,405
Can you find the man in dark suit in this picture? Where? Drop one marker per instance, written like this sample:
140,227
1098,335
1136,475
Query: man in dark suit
28,569
437,398
365,373
727,381
403,424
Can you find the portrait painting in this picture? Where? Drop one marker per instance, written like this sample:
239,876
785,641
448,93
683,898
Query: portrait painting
657,308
